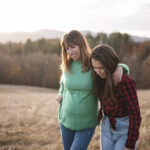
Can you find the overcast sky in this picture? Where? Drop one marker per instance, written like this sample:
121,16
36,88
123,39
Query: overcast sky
130,16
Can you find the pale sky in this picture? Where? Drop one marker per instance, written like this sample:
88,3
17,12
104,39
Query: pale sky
130,16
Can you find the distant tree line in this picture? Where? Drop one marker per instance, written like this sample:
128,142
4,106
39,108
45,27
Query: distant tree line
37,63
45,46
32,63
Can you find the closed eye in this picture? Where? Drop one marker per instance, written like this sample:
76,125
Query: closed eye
97,67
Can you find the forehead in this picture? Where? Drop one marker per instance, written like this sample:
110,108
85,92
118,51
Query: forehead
68,44
68,41
96,63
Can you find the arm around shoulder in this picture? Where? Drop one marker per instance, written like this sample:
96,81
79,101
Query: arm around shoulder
125,68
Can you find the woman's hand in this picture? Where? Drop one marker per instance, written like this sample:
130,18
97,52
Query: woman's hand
59,99
117,75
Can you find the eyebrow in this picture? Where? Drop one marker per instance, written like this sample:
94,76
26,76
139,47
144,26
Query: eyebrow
70,45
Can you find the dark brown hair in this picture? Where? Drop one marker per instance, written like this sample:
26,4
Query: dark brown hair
74,37
109,59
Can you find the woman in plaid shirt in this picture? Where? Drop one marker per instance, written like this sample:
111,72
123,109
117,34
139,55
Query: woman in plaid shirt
119,112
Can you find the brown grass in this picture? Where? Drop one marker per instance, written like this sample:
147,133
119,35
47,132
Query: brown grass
28,119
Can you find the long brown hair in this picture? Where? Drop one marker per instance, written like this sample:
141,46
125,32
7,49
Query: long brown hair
74,37
109,59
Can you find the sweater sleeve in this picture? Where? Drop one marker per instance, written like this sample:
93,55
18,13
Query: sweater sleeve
132,105
125,68
61,89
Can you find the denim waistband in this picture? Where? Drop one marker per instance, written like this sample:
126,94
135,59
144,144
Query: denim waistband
115,116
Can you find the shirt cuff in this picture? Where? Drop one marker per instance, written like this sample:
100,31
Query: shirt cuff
130,144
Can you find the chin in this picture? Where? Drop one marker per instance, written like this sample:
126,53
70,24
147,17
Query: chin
74,59
102,76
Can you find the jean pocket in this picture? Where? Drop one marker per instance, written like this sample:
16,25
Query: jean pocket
122,124
123,121
105,124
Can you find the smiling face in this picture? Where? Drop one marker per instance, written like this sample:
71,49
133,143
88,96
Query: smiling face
73,51
98,68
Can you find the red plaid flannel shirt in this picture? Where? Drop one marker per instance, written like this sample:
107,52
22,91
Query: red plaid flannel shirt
127,104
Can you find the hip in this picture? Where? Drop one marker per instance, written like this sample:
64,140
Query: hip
122,125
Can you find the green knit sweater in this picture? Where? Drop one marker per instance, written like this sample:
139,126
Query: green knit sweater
79,108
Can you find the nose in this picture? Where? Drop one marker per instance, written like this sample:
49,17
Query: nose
97,71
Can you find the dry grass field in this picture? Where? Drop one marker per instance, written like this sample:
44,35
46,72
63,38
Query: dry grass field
28,119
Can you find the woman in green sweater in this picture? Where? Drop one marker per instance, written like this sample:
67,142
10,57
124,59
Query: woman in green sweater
78,109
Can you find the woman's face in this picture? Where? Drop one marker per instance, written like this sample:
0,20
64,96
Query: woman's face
98,68
73,51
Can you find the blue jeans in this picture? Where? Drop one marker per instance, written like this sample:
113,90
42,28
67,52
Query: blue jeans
114,139
76,140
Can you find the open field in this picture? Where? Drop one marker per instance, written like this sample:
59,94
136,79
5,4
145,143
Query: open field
28,119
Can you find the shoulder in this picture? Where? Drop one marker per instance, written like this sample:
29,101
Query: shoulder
127,80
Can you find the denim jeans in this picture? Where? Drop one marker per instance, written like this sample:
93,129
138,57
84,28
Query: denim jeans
76,140
114,139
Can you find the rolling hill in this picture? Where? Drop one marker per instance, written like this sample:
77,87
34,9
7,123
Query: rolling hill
48,34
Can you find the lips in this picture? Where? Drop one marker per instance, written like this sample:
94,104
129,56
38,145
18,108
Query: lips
73,56
102,76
